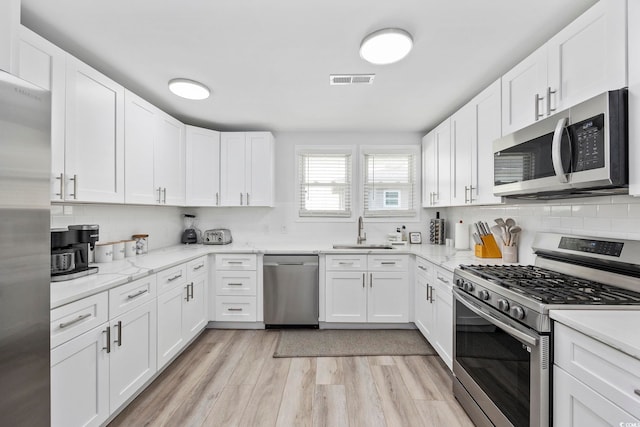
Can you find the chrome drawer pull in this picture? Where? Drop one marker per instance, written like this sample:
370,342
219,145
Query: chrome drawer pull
76,320
637,391
442,279
345,263
234,284
198,267
388,263
61,193
422,268
234,309
108,332
119,340
171,279
137,294
234,262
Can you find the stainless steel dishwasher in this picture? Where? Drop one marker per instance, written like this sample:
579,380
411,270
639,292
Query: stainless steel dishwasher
290,291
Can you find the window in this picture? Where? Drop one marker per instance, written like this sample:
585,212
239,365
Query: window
389,187
324,181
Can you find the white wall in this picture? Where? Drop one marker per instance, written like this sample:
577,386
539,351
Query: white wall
612,216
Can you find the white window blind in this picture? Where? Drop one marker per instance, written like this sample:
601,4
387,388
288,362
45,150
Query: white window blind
325,185
389,185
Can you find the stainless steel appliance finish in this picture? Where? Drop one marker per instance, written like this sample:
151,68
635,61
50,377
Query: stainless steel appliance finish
291,290
577,152
70,249
217,236
507,308
25,164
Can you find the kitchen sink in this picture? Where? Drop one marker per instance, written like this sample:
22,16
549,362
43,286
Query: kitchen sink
362,246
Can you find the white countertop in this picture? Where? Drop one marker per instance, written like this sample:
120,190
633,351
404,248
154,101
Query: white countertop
616,328
120,272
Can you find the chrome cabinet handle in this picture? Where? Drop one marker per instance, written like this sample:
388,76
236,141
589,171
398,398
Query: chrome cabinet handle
191,287
76,320
108,332
422,268
234,309
137,294
537,113
549,93
442,279
61,193
637,391
164,195
466,190
430,294
217,199
234,262
198,267
177,276
119,340
345,262
159,195
363,274
75,187
240,199
471,188
388,263
234,284
187,288
247,199
371,280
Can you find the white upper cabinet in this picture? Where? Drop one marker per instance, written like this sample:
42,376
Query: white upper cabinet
44,65
586,58
9,27
155,154
463,124
202,167
94,136
436,167
246,169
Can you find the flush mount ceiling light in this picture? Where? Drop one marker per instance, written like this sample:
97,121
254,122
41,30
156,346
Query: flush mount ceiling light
189,89
386,46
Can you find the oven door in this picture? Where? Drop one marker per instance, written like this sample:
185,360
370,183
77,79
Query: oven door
502,365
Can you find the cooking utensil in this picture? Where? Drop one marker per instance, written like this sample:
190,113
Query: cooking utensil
509,222
513,235
498,231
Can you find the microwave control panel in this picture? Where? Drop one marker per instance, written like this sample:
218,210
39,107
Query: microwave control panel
587,139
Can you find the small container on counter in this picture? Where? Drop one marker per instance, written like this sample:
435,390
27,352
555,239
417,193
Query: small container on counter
130,248
510,254
142,243
118,250
104,252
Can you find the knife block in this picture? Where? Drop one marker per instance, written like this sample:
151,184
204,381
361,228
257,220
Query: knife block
489,249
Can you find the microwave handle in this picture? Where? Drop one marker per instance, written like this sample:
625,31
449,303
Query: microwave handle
556,150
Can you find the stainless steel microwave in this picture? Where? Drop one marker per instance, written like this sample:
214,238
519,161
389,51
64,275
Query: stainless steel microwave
578,152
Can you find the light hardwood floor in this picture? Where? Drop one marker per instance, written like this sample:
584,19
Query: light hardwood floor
229,378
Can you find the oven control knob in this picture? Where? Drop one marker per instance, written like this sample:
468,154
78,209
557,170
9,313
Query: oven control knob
483,295
469,287
503,305
460,283
517,312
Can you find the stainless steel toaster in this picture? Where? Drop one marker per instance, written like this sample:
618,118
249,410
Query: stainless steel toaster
217,236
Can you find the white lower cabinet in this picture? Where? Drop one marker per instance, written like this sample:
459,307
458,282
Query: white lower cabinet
236,288
593,384
132,356
424,309
379,294
80,380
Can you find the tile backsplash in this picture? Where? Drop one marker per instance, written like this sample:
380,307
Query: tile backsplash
607,216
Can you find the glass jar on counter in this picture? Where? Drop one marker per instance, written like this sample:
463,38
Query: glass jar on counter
142,243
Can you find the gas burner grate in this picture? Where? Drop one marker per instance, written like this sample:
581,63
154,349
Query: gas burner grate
550,287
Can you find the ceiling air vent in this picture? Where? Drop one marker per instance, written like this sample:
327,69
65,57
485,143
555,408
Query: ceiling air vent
351,79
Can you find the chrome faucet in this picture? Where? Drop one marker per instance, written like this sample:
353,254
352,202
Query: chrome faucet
362,236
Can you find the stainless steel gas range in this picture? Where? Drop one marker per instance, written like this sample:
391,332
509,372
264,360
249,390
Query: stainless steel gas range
503,333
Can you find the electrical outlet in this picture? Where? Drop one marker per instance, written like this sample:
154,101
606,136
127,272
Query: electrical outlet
283,229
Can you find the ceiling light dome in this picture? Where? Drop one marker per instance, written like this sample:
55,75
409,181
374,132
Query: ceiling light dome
386,46
189,89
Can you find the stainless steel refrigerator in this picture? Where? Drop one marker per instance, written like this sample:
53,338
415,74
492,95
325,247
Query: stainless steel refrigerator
25,163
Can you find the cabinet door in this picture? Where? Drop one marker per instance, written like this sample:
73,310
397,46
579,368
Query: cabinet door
195,308
463,124
94,136
488,118
202,167
388,299
443,300
140,131
577,405
9,24
429,169
169,160
588,56
132,361
259,169
170,324
44,64
346,296
424,308
442,196
520,86
80,380
232,169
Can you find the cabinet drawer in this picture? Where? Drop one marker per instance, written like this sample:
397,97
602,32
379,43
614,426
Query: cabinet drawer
236,283
388,262
236,262
78,317
235,309
614,374
424,267
346,262
171,277
125,297
443,277
196,267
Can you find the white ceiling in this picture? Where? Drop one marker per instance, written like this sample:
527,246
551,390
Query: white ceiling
268,62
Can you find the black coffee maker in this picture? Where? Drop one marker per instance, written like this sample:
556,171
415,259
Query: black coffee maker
70,251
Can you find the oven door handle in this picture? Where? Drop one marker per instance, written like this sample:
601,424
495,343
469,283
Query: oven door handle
556,150
526,338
